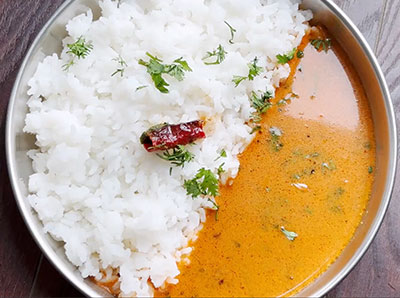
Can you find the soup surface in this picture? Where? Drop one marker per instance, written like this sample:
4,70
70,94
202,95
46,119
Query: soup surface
302,189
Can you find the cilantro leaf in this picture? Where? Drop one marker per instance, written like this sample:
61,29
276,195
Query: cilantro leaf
238,79
177,156
204,183
254,70
322,44
233,31
219,55
261,103
283,59
156,69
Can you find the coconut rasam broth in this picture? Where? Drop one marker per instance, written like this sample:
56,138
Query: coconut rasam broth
299,197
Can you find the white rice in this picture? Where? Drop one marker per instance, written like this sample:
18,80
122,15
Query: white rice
95,188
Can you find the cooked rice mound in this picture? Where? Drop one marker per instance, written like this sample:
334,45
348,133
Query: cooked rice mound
94,186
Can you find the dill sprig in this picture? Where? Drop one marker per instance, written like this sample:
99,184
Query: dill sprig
232,30
219,55
156,69
122,66
178,156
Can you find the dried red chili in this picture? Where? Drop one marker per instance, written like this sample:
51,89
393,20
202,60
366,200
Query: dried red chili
166,136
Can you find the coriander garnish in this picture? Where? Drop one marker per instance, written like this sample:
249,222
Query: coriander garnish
261,102
254,70
222,154
219,55
238,79
215,207
156,69
220,169
283,59
233,31
122,66
289,235
322,44
370,169
177,156
79,49
141,87
276,134
255,129
300,54
204,183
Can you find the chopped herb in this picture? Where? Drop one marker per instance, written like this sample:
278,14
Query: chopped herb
267,189
261,103
222,154
255,129
216,208
219,55
276,133
322,44
289,235
79,49
370,169
122,66
254,70
204,183
221,169
300,54
141,87
156,69
233,31
66,66
177,156
255,118
283,59
238,79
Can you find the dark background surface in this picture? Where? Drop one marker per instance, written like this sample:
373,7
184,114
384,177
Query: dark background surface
24,272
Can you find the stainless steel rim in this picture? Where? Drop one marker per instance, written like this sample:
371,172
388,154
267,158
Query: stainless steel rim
87,290
10,149
392,155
